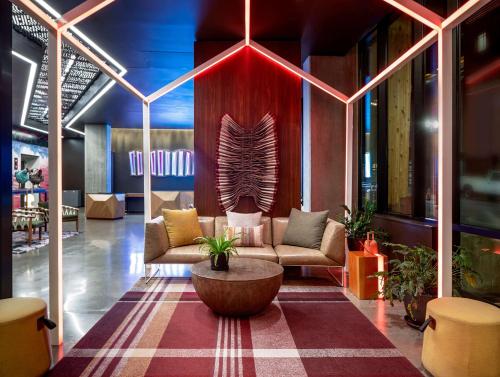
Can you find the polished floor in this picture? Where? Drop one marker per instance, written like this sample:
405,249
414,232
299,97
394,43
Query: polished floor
105,261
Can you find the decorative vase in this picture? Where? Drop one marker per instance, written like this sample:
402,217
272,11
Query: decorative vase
222,263
415,313
355,244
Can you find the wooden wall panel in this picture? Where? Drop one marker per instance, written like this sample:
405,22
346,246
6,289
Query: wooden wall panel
399,120
327,117
247,86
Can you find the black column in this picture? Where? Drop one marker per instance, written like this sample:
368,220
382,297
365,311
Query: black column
5,149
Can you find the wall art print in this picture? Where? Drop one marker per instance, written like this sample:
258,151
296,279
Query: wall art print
247,163
163,163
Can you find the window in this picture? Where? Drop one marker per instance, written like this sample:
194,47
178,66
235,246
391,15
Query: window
398,115
479,131
477,157
369,126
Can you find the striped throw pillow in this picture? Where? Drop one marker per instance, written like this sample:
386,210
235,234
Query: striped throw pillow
247,236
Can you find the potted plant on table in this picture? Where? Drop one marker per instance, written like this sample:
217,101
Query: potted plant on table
219,250
413,278
357,223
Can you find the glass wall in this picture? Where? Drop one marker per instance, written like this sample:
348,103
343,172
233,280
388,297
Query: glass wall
398,123
479,155
478,151
368,121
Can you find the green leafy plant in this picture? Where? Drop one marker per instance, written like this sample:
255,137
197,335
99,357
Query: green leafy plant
415,274
463,271
358,222
216,246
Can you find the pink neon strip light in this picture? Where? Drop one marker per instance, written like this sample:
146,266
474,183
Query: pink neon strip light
424,43
418,12
197,71
247,22
298,72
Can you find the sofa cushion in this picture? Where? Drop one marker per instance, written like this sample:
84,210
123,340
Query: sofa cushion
265,252
243,219
207,225
301,256
279,228
182,226
221,221
305,229
182,254
245,236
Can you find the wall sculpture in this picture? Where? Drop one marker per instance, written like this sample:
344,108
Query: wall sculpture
247,163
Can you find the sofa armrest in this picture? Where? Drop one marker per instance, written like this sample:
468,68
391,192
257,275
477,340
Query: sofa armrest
279,228
155,239
333,242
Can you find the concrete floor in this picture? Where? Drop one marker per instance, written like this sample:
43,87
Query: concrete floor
105,261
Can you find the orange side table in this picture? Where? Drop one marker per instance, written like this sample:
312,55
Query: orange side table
361,266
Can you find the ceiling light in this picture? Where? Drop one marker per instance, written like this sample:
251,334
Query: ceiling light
29,89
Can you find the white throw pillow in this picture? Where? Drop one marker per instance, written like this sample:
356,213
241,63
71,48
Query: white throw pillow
246,220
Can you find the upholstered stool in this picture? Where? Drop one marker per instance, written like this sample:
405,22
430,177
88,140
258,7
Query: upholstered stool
463,338
24,339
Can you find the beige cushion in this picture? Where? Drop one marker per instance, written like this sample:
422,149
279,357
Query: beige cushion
182,254
301,256
245,236
221,221
266,253
207,225
244,219
279,227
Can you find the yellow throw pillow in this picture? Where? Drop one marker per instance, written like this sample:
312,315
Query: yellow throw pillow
182,226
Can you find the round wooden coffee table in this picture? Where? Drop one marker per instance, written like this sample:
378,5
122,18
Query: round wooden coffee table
247,288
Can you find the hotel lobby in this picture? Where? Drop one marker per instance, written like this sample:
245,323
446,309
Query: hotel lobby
249,188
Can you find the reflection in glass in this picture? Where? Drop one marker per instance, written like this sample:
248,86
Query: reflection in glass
479,163
486,262
368,155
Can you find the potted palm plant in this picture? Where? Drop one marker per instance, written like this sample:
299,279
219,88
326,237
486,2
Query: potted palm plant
357,223
219,250
413,278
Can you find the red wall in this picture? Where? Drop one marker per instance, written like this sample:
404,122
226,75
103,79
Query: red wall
246,87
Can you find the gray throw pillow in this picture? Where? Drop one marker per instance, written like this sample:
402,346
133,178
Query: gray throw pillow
305,229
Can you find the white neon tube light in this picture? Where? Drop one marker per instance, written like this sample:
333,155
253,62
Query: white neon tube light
29,89
88,41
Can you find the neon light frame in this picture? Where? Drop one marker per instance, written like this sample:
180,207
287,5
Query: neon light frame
466,10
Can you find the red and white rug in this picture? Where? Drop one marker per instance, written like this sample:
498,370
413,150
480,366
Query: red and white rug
164,330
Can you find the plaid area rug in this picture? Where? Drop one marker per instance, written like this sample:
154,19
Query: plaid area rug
20,243
165,330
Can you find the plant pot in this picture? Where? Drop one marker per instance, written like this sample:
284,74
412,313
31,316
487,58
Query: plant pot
415,312
222,263
355,244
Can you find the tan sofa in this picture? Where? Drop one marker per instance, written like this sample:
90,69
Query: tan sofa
331,253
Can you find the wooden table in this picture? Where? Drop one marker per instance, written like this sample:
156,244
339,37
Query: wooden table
361,265
247,288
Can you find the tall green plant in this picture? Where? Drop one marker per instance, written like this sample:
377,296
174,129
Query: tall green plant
216,246
416,273
359,221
